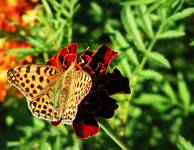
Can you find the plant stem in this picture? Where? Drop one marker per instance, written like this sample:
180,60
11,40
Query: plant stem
45,55
70,31
149,49
107,129
153,42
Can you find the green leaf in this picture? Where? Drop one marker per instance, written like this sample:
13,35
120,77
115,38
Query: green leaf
57,38
150,74
181,15
147,23
47,8
9,120
43,144
159,58
120,39
124,67
168,90
182,144
117,37
131,28
138,2
184,93
57,144
192,43
131,55
155,5
96,8
171,34
151,99
35,43
21,51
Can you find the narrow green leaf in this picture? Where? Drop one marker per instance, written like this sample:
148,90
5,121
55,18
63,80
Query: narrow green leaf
192,43
107,129
13,143
131,28
96,8
120,39
43,143
151,99
168,90
47,8
173,5
182,144
147,23
35,43
56,38
9,120
181,15
55,4
184,92
150,74
57,144
117,37
124,67
171,34
155,5
21,51
138,2
159,58
131,55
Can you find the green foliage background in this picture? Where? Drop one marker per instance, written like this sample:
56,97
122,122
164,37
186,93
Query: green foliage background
155,40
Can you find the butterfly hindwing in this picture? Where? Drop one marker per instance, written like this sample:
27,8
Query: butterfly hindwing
79,88
43,107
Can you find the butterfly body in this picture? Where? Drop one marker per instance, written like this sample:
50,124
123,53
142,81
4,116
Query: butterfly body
52,94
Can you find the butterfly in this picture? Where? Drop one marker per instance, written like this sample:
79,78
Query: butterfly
52,94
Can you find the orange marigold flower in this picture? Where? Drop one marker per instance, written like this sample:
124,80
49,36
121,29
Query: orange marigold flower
3,92
7,61
19,11
6,25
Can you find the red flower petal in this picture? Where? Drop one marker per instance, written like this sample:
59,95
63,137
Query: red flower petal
65,57
85,127
103,56
113,83
53,61
97,62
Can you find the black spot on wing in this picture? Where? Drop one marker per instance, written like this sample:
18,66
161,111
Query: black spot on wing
38,70
46,69
33,77
28,69
41,78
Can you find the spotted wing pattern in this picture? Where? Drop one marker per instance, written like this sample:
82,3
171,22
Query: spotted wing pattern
32,80
43,107
80,86
52,95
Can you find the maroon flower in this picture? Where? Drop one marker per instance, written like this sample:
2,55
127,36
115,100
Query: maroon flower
97,103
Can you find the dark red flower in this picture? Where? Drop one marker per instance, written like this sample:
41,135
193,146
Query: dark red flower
97,103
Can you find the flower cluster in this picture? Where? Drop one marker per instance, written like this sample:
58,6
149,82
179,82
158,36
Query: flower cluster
98,102
16,11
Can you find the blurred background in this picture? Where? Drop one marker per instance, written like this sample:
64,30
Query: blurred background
155,41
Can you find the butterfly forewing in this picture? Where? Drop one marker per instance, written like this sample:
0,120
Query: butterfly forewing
32,80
